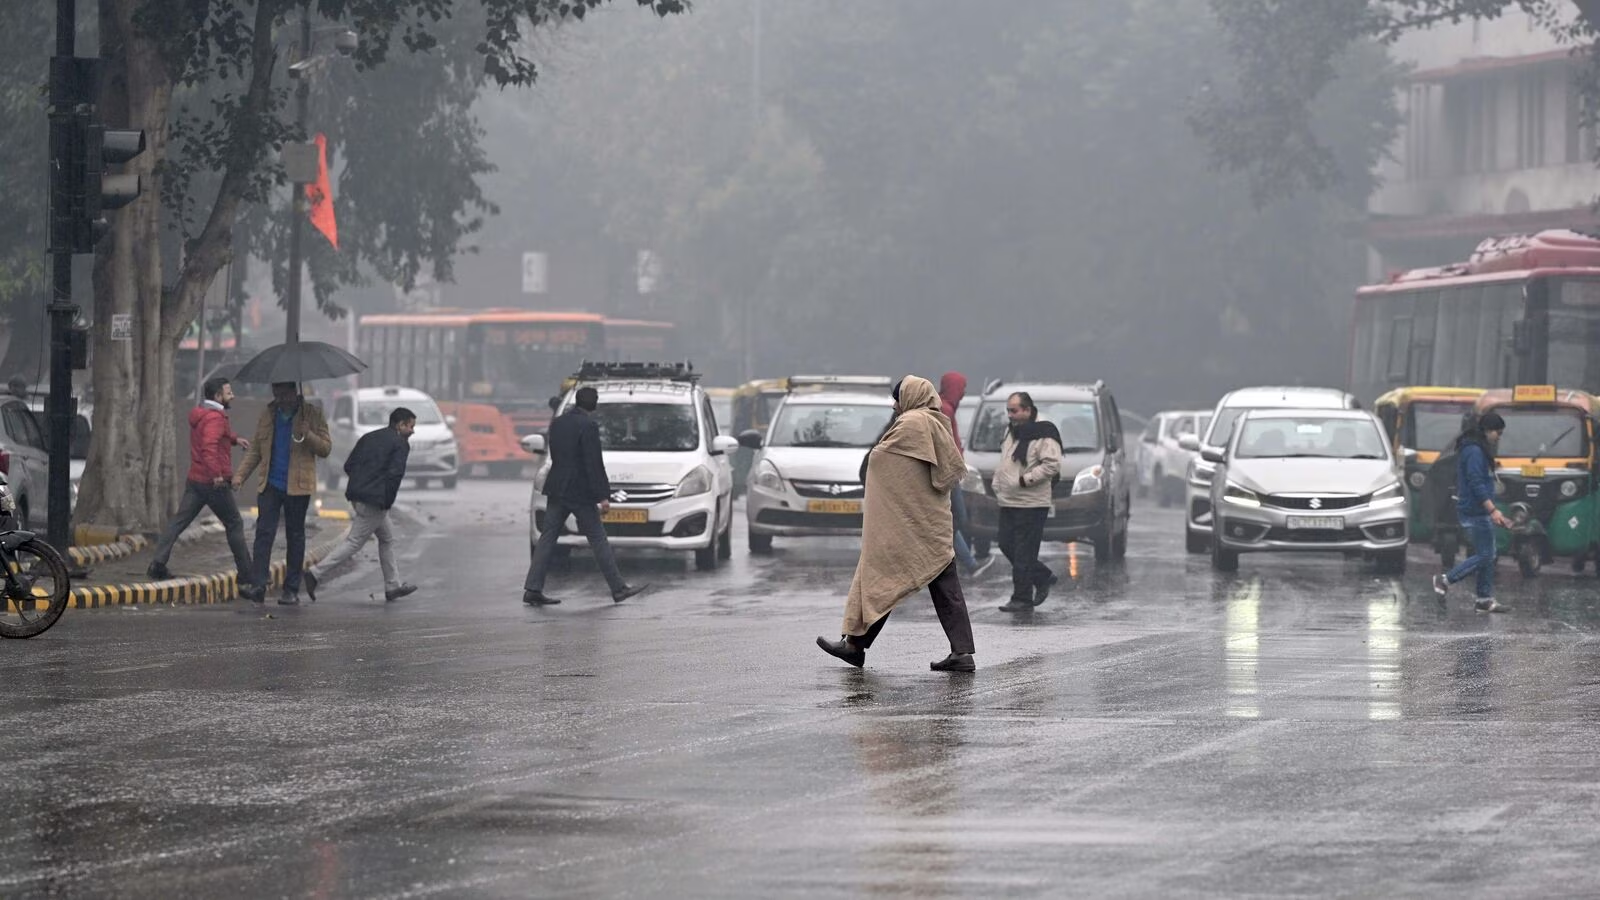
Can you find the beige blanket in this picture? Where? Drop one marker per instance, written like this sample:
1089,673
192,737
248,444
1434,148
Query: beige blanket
905,537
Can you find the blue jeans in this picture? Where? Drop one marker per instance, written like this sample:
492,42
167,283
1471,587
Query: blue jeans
1480,532
958,516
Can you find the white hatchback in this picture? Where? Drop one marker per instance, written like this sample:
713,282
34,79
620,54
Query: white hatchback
434,452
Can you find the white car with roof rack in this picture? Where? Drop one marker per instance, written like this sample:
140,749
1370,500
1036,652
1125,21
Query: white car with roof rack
434,454
671,478
805,479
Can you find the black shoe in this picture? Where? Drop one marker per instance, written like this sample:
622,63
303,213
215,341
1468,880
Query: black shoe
843,649
629,591
955,662
1042,590
537,598
1488,605
158,572
404,590
253,593
289,598
1016,604
309,580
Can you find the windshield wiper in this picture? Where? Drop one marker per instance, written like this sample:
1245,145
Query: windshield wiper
822,443
1547,445
1079,449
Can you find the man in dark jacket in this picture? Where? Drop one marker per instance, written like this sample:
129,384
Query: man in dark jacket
576,486
1475,506
373,472
211,443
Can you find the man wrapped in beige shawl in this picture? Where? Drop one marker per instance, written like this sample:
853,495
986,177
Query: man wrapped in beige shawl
905,534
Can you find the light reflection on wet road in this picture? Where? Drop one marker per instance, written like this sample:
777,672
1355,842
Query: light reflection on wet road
1304,726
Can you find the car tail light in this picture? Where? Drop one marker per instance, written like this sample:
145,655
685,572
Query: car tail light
5,462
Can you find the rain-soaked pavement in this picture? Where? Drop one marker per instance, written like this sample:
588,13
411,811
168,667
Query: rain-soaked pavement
1304,727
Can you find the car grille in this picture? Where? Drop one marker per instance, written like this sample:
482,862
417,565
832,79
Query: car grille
798,519
1073,518
1315,535
642,493
848,490
1284,501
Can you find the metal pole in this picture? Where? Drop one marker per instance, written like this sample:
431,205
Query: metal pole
58,492
299,208
755,131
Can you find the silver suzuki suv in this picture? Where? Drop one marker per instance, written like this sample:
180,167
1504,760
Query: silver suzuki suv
1197,481
1307,480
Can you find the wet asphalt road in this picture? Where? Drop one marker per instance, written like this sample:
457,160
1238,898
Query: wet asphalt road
1302,728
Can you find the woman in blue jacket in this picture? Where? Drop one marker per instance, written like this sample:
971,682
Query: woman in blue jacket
1475,506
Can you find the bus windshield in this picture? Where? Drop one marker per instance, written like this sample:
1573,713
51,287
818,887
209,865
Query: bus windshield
529,359
1574,350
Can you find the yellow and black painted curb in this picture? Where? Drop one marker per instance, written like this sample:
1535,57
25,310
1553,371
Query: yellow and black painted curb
194,589
124,546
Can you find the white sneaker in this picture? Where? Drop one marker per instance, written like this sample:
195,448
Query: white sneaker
1441,585
1488,605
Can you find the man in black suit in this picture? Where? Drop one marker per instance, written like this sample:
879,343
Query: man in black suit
577,486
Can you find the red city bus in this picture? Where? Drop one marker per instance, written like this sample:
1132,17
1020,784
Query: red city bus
1523,309
638,340
493,369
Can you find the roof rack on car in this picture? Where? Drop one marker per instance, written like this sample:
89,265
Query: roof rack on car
592,370
839,381
1097,386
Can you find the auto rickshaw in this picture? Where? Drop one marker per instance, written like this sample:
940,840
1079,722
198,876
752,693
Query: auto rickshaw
753,404
1545,474
1422,423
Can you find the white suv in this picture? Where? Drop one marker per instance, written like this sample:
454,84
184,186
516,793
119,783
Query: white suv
671,480
434,453
1162,461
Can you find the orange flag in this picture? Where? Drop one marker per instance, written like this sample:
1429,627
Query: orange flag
321,197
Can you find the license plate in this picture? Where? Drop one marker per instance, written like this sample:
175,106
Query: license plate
1319,523
1533,471
625,515
851,507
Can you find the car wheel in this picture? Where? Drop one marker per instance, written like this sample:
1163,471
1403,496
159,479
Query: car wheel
1163,492
1119,545
1392,562
1195,543
1528,561
725,543
331,481
760,543
1223,560
1102,541
448,484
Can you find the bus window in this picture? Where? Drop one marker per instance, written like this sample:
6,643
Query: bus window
1424,321
1399,351
1502,305
1574,347
1454,354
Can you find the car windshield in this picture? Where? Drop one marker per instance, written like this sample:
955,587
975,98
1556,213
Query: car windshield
1315,436
828,425
376,412
1543,433
1080,430
1435,425
649,427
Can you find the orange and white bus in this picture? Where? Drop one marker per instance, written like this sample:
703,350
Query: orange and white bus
640,340
494,370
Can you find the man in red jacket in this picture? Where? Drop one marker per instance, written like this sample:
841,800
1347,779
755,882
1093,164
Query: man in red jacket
211,443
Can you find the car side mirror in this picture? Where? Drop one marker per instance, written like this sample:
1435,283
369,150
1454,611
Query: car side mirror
450,421
343,422
1212,455
723,444
1409,454
750,439
555,403
534,443
1189,441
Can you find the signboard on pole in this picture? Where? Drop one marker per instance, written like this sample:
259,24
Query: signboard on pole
535,273
122,326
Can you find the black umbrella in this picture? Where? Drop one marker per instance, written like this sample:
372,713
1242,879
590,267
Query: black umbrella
297,362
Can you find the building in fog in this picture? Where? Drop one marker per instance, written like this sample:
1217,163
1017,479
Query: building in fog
1492,143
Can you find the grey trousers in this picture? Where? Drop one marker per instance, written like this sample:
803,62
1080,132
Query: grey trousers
369,521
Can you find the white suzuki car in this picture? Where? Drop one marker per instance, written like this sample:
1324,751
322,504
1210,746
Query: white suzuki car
670,471
434,453
806,475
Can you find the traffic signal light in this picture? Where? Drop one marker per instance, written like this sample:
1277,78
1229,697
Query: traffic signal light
99,191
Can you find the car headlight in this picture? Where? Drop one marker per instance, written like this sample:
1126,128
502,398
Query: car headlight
1239,496
1417,479
1089,480
1200,473
1392,494
972,482
696,482
1569,489
767,477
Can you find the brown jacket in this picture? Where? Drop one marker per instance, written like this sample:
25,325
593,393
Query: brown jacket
309,424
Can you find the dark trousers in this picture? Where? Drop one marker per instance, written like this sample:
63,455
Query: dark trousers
271,505
951,606
1021,530
219,499
588,516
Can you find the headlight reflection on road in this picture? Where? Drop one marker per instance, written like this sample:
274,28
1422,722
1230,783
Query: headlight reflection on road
1242,650
1383,654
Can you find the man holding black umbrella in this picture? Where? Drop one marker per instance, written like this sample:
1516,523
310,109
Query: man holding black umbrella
290,436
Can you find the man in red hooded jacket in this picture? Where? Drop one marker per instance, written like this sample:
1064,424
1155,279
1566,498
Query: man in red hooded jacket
211,443
952,388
